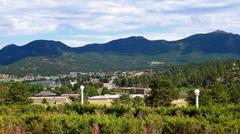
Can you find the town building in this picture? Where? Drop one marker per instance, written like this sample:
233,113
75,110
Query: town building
108,99
51,100
109,85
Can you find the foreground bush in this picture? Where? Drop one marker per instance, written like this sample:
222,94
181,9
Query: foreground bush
84,119
111,124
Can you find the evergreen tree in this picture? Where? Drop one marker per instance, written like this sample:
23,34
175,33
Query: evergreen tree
18,93
162,93
235,93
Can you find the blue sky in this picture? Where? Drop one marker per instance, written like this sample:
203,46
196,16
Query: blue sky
80,22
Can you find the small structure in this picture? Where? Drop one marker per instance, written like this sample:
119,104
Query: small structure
95,81
181,101
73,74
73,83
109,85
45,93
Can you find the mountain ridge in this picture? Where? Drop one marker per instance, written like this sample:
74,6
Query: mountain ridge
217,41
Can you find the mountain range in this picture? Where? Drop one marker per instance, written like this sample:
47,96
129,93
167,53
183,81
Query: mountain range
214,45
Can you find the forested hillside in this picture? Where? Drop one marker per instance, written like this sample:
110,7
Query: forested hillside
93,62
48,57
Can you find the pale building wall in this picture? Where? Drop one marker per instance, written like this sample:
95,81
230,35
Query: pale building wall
107,102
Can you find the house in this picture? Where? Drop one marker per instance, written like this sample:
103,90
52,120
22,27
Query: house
109,85
95,81
51,100
73,74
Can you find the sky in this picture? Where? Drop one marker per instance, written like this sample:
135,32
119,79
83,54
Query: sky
80,22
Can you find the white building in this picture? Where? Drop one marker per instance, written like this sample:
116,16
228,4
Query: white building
108,99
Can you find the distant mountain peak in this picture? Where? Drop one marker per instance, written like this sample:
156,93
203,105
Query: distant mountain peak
9,46
12,53
137,38
220,31
12,45
131,39
44,42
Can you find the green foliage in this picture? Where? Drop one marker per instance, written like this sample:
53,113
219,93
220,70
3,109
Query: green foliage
125,100
138,81
77,118
71,62
234,92
107,91
218,93
36,88
138,102
91,90
204,99
63,90
18,93
162,93
158,83
2,92
188,75
44,101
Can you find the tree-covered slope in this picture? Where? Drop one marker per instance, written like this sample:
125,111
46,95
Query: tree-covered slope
85,62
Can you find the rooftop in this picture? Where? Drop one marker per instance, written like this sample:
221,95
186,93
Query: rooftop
51,100
45,93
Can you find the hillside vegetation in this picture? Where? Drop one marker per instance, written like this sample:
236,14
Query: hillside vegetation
92,62
85,119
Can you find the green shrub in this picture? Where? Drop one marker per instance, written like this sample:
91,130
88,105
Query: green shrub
85,119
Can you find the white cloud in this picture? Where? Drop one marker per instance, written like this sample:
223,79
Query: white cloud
170,19
75,43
